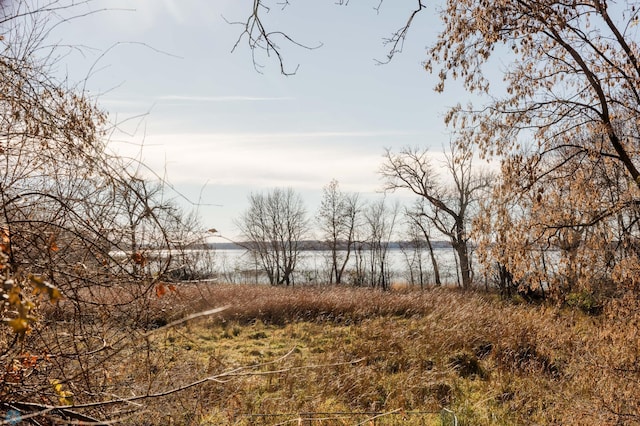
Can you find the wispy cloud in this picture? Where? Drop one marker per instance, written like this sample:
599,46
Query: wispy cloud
120,102
137,101
223,98
280,137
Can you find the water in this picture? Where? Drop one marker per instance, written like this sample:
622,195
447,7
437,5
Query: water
235,266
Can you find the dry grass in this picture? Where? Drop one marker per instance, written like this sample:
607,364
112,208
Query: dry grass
331,353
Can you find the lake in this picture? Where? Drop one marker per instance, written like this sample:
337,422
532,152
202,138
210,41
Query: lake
236,265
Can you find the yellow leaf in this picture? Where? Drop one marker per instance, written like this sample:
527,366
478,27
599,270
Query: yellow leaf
19,325
40,286
66,400
65,397
24,308
14,295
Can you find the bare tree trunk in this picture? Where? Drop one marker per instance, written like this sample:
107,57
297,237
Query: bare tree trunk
462,253
434,261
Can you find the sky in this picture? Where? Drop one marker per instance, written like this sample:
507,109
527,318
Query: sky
218,128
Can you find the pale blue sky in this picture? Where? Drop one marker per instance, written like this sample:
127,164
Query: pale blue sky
220,130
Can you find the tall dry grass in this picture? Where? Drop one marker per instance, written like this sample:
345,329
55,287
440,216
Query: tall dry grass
486,360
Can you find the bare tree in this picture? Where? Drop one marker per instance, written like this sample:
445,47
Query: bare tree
421,228
339,218
412,248
380,220
77,225
449,206
275,225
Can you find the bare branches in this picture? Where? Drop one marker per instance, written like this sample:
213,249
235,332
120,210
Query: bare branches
411,169
380,220
573,66
77,224
338,217
261,39
34,410
397,39
275,225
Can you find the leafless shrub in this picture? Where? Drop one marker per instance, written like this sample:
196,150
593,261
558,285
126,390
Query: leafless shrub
79,227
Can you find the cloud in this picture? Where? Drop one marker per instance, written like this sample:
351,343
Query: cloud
149,100
222,98
226,167
304,160
331,137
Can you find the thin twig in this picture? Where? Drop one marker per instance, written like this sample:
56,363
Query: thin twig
378,416
186,319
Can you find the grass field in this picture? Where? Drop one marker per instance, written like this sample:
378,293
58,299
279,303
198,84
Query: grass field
336,356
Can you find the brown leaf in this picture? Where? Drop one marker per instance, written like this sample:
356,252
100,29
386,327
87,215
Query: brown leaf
161,290
139,259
